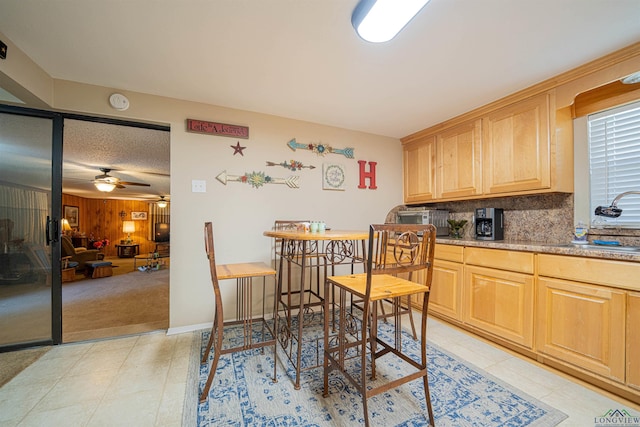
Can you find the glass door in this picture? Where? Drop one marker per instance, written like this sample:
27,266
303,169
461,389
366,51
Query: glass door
30,198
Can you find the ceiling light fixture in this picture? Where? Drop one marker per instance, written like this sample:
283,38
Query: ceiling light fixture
104,186
379,21
631,79
162,203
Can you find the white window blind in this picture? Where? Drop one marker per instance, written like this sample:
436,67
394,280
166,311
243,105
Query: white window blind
614,152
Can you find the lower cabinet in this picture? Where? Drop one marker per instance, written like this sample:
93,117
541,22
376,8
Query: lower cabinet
500,302
588,315
633,340
583,325
499,296
578,314
445,297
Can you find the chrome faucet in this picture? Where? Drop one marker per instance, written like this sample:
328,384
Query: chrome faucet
613,211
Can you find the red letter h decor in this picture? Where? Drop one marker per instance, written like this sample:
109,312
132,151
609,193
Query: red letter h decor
364,175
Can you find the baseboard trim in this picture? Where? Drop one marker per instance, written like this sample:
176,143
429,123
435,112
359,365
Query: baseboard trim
189,328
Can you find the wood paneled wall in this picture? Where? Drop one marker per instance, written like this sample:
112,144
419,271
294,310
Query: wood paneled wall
101,219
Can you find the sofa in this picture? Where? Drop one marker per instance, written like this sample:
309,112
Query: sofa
79,255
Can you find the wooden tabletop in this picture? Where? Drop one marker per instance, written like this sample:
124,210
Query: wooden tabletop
243,269
320,235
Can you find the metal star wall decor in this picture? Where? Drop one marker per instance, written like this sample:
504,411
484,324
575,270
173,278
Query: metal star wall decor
258,179
237,149
293,165
321,149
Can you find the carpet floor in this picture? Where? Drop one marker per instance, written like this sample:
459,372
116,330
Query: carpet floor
243,393
123,304
14,362
129,302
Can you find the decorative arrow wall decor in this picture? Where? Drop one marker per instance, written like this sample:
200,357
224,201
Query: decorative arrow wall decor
293,165
258,179
321,149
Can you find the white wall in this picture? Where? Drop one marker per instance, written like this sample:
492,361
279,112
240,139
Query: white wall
239,212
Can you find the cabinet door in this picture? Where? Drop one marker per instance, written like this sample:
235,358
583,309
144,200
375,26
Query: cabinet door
517,147
419,176
583,325
500,302
459,165
446,289
633,340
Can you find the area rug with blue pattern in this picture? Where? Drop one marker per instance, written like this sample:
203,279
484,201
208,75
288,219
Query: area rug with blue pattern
243,392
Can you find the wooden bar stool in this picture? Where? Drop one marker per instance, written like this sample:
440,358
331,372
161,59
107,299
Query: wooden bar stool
394,250
243,273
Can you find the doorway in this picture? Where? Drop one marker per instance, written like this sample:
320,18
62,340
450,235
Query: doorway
122,299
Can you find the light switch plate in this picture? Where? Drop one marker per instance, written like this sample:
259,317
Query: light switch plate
198,186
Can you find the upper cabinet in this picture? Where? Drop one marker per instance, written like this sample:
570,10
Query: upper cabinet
419,170
525,147
517,147
459,162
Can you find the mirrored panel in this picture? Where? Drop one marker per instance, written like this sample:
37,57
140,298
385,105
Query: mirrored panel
25,203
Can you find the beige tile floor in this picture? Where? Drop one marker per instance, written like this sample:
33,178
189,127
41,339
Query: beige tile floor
130,381
142,381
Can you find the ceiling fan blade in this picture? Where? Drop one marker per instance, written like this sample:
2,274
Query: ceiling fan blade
134,183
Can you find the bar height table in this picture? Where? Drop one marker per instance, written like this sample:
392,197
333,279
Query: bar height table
311,252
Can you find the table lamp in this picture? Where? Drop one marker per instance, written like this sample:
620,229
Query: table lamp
128,227
66,228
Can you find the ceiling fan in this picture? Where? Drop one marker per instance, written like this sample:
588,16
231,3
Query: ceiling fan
107,183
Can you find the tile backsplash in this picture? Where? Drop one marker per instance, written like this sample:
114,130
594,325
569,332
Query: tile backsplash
544,218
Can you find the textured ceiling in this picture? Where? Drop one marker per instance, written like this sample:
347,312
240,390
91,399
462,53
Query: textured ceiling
133,155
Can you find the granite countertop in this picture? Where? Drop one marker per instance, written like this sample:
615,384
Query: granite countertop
543,247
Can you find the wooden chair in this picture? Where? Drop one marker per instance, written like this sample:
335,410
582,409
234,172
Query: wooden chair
243,273
394,250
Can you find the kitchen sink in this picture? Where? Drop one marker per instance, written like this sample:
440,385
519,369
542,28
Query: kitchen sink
631,249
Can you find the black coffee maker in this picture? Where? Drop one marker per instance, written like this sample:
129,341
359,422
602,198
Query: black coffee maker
489,224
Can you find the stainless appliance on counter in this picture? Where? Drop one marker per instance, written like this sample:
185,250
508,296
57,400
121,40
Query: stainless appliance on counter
437,217
489,224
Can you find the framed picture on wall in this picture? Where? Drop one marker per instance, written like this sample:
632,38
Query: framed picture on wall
138,216
71,214
333,176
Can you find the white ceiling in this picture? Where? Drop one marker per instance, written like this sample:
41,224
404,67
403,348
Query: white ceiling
302,59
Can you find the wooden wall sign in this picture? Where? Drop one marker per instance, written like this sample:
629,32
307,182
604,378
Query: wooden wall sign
219,129
364,175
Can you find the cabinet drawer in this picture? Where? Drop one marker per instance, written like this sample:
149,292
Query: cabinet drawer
521,262
618,274
449,252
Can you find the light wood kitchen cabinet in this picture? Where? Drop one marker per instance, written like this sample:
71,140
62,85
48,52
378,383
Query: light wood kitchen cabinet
582,312
517,147
525,147
459,161
633,340
499,293
583,325
445,297
419,159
